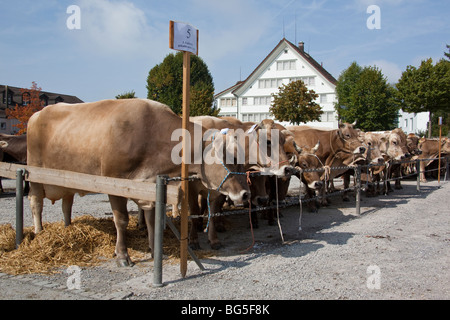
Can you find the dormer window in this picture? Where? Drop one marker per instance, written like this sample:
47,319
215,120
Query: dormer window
59,99
44,99
26,98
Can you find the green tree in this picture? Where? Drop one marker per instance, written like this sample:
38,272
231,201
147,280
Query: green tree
364,96
425,89
127,95
295,103
165,84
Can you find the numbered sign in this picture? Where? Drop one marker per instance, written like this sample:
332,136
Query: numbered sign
183,37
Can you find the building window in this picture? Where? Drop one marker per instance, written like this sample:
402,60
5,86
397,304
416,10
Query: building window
59,99
269,83
44,100
323,98
327,116
244,101
3,126
255,117
228,102
9,94
25,98
309,81
286,65
262,101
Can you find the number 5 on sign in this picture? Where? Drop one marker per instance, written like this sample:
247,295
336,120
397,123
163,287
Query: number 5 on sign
183,37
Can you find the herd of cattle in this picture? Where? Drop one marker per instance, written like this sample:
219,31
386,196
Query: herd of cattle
131,139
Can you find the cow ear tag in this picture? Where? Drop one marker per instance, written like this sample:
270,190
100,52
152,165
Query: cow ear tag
224,130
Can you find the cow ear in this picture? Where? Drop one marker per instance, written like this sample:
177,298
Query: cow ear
3,144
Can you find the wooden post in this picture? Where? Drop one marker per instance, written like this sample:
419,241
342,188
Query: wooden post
184,37
184,164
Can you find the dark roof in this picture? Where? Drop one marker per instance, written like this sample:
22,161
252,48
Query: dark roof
305,55
52,97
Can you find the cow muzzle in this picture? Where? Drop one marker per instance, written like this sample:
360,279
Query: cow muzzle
239,198
359,150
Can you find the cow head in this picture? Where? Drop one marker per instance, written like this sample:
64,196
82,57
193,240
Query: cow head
308,160
3,144
373,155
412,143
221,170
350,136
393,144
267,146
445,147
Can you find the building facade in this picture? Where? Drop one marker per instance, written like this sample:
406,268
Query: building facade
250,100
413,122
12,96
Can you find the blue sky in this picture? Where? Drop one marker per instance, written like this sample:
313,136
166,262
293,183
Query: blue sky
121,40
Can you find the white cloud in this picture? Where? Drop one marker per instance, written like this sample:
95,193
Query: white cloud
389,69
114,27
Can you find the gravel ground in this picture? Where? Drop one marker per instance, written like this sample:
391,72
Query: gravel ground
397,249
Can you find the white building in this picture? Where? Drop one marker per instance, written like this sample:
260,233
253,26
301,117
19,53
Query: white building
250,100
413,122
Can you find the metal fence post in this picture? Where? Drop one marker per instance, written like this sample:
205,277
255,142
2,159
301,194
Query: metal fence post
19,206
160,212
418,174
358,189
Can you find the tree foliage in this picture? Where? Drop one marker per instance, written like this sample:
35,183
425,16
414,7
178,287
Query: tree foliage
295,103
364,96
426,88
127,95
22,113
165,84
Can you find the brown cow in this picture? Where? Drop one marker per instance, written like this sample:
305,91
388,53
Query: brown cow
128,139
240,130
338,147
430,150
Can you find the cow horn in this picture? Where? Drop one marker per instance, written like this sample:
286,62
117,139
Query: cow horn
3,144
297,148
354,123
316,147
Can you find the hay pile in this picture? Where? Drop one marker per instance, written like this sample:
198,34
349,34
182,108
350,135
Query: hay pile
88,241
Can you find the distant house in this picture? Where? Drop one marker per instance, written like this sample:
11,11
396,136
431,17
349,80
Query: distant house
413,122
250,100
10,96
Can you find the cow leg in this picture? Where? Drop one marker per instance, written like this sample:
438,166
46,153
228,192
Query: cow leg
67,203
422,172
149,215
36,197
120,212
212,233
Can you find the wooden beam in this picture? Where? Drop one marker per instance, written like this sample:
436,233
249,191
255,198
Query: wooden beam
127,188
